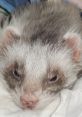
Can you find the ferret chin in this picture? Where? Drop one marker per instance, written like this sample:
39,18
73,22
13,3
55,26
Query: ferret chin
40,54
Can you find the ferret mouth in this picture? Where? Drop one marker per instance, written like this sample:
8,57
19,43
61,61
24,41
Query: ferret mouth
40,105
28,107
33,107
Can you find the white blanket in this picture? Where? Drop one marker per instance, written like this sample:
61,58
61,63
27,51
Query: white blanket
68,104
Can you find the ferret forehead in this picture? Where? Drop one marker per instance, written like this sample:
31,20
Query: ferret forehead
16,51
35,53
36,64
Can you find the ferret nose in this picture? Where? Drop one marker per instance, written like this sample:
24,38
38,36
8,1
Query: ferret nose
29,101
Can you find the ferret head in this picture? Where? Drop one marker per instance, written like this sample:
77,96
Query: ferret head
35,72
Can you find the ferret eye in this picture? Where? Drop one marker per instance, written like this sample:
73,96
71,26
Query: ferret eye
53,79
16,74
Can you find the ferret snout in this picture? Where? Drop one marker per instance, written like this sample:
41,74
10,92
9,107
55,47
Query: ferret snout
28,101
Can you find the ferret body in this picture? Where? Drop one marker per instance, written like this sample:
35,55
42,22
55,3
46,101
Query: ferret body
40,53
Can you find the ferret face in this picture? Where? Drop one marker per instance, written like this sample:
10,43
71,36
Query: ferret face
35,73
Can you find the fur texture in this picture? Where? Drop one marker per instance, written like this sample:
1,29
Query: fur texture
35,56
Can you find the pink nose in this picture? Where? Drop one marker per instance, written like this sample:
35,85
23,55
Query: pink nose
28,101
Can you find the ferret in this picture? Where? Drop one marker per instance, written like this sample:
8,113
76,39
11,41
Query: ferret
40,54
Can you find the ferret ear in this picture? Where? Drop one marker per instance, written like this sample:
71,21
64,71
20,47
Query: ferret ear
73,42
10,34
